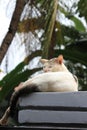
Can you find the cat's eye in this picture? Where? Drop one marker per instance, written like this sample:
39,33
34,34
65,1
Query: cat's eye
50,66
44,66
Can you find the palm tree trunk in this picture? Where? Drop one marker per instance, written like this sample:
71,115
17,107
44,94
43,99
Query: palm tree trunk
49,32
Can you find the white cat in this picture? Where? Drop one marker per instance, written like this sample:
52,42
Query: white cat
56,79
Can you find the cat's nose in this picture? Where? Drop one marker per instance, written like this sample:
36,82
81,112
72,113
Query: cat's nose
46,70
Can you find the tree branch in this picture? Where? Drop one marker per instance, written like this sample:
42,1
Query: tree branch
12,28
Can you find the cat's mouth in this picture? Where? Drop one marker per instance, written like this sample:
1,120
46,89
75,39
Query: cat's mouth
47,71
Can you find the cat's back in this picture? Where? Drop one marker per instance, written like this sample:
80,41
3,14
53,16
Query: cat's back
56,81
55,76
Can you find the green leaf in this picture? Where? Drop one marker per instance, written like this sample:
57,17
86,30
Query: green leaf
78,24
73,55
10,83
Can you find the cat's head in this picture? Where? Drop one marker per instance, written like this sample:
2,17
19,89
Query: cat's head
54,64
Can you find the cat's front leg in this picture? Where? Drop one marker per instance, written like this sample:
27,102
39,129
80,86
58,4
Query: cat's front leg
18,87
23,84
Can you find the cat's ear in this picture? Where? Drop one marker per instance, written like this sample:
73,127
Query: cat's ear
59,59
43,61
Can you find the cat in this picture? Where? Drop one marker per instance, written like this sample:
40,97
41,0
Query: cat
57,78
52,65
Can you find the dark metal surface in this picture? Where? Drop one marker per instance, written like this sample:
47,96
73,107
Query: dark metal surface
54,110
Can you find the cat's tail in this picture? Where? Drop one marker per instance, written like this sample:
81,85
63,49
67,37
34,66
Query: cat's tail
13,101
16,94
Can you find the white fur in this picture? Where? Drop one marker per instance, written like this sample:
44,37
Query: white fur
54,81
